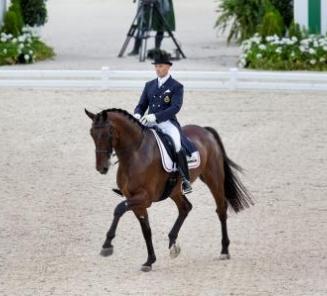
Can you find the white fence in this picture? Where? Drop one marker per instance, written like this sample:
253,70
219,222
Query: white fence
134,80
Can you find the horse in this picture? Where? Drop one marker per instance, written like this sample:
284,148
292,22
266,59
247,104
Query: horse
142,179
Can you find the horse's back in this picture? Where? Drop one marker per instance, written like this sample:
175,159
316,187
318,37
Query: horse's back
197,133
203,139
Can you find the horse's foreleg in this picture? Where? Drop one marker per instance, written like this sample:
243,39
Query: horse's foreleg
107,248
184,207
146,230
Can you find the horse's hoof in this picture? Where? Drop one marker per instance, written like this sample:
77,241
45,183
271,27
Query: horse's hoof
146,268
224,257
105,252
174,251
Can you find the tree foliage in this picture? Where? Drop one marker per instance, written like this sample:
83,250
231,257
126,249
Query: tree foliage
285,8
34,12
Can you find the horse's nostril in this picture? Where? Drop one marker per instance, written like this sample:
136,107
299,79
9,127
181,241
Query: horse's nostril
105,170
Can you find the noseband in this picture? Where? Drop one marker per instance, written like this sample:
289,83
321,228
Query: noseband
108,152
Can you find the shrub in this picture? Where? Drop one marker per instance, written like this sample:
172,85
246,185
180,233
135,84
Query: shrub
13,20
8,53
295,31
245,16
34,12
11,25
26,48
41,50
272,23
276,53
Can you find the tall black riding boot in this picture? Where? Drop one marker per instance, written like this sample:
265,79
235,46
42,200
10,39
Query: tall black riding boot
137,45
158,39
183,170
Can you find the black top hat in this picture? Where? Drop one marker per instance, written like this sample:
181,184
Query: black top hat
162,58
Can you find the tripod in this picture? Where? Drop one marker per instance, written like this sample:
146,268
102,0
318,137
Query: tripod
143,28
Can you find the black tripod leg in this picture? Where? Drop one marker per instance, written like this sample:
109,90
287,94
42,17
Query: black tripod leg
170,33
130,33
143,37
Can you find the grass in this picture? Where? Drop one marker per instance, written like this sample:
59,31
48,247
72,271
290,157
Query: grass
42,51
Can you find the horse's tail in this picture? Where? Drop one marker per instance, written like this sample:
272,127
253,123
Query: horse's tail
235,192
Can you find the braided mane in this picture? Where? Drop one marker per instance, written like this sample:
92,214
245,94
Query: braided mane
126,114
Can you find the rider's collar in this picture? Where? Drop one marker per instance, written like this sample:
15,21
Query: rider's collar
162,80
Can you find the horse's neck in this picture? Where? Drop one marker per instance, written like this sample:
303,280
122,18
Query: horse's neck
129,134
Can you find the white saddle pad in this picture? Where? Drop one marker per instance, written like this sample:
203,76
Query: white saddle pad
168,165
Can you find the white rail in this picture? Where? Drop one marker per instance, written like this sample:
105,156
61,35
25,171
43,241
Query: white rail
193,80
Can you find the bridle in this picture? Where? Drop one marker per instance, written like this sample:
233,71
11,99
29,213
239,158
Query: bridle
110,150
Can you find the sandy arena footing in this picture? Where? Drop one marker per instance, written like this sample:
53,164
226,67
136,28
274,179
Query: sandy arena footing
55,208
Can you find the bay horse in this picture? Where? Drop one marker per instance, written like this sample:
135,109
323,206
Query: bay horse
142,179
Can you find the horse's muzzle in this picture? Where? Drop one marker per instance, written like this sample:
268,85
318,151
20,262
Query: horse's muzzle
102,166
103,170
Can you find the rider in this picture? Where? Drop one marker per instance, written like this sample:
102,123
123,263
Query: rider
163,97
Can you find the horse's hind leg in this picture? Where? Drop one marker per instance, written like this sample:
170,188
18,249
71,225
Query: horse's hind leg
216,186
184,207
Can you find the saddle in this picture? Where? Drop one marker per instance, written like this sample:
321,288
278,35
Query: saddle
169,157
168,151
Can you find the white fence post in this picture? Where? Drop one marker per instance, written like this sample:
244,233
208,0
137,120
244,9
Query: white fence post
3,9
105,75
233,75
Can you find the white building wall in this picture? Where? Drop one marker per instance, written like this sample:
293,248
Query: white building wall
301,14
323,17
3,8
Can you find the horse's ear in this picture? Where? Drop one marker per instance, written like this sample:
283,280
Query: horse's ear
104,115
89,114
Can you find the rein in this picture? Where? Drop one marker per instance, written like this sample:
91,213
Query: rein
103,151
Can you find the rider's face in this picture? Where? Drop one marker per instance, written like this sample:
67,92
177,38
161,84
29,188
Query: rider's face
162,69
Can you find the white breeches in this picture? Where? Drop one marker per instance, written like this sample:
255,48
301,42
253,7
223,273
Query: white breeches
168,128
